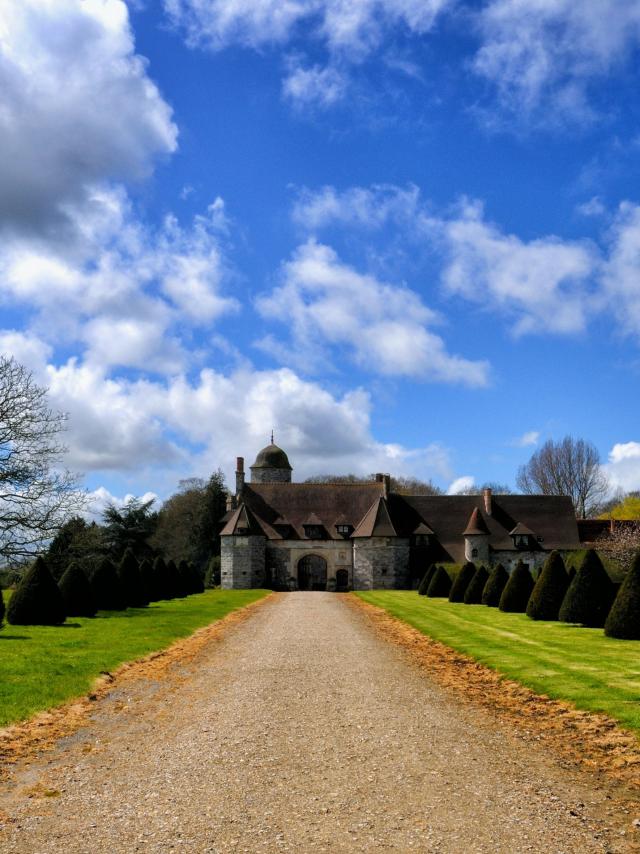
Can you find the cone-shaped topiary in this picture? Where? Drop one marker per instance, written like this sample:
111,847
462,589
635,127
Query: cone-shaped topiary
2,608
426,580
517,590
37,600
440,584
131,581
106,587
197,584
174,585
212,575
571,573
148,579
473,593
624,617
549,590
461,582
77,594
184,577
590,594
496,583
161,582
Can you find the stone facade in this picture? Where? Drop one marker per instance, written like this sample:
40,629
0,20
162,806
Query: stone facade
242,562
476,548
264,475
380,563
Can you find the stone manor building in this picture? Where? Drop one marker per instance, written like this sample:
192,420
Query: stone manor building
361,536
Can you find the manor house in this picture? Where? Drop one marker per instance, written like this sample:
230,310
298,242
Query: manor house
361,536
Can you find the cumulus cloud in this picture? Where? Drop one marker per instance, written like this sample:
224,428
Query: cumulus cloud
461,485
527,439
78,108
382,327
369,208
621,272
121,287
99,499
314,85
623,466
541,285
544,54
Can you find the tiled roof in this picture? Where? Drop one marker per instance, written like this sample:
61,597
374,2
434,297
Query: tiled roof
376,522
476,525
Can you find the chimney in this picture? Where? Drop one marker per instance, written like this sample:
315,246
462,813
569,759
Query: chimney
239,475
486,494
387,484
229,501
379,477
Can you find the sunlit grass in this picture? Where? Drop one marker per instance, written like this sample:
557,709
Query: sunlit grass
42,666
564,661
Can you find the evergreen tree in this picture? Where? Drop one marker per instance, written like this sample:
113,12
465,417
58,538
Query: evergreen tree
197,584
131,581
185,580
174,586
624,617
590,594
212,575
473,593
461,582
517,590
148,579
426,580
2,609
496,583
549,590
76,591
440,584
106,587
160,580
37,601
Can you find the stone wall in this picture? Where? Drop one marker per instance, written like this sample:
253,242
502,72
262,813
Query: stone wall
509,559
282,557
242,563
478,543
267,475
380,562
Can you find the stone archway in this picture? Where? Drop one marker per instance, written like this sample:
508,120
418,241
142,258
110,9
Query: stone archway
312,573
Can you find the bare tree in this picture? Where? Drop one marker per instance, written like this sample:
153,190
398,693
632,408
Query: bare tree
569,467
36,496
402,485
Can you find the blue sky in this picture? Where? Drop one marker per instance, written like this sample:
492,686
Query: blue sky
405,235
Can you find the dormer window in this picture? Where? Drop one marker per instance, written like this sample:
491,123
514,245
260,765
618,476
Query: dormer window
422,535
343,527
313,532
523,538
521,541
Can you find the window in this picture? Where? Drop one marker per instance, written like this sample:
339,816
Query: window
474,552
344,530
313,532
521,541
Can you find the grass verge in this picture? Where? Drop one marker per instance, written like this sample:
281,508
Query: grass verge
43,666
565,662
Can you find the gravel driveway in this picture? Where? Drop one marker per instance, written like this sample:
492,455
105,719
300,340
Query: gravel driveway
301,730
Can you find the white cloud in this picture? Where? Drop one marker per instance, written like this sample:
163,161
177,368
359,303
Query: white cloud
621,273
314,85
527,439
593,207
542,285
364,207
99,499
120,287
623,466
382,327
78,108
542,54
461,484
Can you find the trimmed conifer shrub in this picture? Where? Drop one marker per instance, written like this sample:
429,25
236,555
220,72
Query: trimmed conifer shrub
173,581
440,583
212,575
131,581
197,584
496,583
624,617
184,579
571,573
473,593
2,609
426,580
549,590
461,582
77,594
37,600
517,590
148,579
161,582
590,594
106,587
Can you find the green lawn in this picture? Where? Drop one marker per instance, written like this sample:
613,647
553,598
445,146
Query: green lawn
563,661
42,666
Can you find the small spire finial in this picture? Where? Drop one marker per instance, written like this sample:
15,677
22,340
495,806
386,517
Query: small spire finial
272,437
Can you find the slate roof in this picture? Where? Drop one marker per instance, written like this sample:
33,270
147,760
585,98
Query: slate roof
297,502
272,457
364,506
476,525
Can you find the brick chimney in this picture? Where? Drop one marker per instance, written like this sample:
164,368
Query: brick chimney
486,494
239,475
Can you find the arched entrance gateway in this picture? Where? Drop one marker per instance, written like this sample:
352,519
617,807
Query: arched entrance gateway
312,573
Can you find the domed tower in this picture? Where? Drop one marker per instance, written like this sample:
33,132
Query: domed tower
271,466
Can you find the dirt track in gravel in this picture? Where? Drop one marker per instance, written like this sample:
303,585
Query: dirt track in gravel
302,729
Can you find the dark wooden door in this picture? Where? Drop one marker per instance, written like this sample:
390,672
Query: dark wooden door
312,573
342,580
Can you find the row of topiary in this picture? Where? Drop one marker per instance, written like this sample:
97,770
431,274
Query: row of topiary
38,600
587,597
